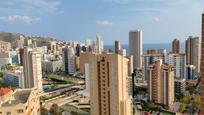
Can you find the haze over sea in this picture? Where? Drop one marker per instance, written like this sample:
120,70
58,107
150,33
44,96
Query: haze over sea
166,46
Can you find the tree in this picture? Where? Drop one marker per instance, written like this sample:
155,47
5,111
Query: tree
182,107
1,74
187,99
43,111
196,102
110,50
54,110
74,113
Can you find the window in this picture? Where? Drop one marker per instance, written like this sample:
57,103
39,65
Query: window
20,111
8,113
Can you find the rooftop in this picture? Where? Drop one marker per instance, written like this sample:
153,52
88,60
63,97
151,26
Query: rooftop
19,96
4,91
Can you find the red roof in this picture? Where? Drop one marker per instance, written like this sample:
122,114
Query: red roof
4,91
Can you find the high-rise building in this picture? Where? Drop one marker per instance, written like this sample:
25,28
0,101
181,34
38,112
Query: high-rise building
28,42
123,52
190,72
149,58
69,60
135,48
202,70
32,68
161,83
21,55
176,46
130,65
87,77
78,49
20,42
178,61
108,84
88,42
193,52
117,47
53,47
99,44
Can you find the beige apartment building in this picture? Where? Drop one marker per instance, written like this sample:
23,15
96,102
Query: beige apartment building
161,83
108,84
22,102
202,69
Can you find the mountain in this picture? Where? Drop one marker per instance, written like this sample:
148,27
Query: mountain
9,37
13,37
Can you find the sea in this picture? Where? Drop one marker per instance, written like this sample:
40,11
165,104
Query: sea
167,46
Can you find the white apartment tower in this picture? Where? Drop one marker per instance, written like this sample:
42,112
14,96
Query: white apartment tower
99,44
32,69
178,61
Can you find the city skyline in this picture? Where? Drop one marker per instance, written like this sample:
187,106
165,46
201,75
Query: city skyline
101,57
112,19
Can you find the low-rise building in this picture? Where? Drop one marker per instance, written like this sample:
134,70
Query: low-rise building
180,85
5,46
5,58
15,78
22,102
5,93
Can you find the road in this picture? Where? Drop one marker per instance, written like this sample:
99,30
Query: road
60,101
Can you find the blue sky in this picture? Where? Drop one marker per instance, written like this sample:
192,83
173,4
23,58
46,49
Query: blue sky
160,20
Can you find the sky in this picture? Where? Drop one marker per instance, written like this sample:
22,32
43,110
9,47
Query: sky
160,20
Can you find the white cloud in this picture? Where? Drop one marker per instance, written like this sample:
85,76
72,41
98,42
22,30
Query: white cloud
104,23
117,1
45,5
30,6
156,19
19,18
128,1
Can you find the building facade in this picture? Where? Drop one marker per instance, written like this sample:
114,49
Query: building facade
69,59
161,83
52,66
108,84
149,59
193,51
190,72
117,47
15,79
180,85
202,70
32,69
99,44
135,48
176,46
178,60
